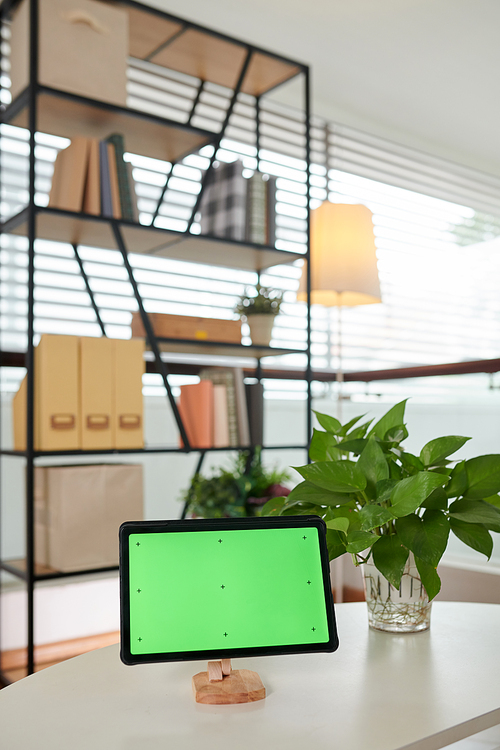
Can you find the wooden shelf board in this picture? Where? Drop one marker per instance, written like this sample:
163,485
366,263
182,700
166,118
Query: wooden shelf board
69,115
83,229
44,572
221,252
193,346
211,58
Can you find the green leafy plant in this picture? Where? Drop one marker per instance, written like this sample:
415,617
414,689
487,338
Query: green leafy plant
383,502
237,492
265,301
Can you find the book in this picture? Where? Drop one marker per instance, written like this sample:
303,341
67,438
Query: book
106,200
225,376
221,422
223,206
255,404
271,211
113,181
241,407
92,191
256,209
196,409
70,171
124,185
131,181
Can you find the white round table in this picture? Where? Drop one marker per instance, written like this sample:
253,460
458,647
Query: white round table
377,692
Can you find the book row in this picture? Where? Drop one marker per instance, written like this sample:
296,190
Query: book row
221,410
92,176
239,208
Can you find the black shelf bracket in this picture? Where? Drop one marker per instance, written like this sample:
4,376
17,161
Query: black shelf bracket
150,334
220,136
89,289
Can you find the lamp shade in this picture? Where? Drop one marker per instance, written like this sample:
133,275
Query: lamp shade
343,257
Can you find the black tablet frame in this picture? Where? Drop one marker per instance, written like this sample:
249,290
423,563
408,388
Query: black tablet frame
223,524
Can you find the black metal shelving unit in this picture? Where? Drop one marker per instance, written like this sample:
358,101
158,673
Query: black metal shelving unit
250,69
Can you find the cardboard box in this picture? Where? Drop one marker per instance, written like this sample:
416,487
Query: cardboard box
57,408
78,511
128,410
83,48
187,327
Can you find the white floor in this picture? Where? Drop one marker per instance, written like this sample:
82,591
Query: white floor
487,740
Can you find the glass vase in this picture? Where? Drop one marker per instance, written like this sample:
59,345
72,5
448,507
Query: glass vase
403,610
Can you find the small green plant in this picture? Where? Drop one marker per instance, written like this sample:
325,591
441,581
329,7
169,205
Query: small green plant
238,492
388,502
266,301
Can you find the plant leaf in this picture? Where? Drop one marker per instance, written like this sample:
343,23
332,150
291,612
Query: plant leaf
429,577
396,434
437,500
493,500
306,492
373,516
328,423
345,429
384,490
273,506
437,450
373,464
322,446
410,493
352,446
483,474
474,535
357,541
336,476
359,432
389,557
476,511
393,418
340,524
345,512
458,481
334,543
411,463
426,537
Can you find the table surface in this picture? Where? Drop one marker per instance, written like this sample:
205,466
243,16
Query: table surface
379,691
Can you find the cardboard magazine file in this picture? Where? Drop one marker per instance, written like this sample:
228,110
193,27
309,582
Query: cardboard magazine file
128,411
83,48
97,393
57,409
78,511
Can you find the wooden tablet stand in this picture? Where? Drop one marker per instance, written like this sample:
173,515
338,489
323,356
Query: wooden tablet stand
222,685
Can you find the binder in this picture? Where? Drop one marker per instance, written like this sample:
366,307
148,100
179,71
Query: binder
128,412
97,392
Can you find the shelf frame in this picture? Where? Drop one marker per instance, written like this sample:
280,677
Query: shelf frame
30,104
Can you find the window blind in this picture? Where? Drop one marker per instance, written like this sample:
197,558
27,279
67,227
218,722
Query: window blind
436,225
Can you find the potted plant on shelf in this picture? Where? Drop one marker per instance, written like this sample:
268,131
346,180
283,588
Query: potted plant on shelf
393,511
259,310
238,492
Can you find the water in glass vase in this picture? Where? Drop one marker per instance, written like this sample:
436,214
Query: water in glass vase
403,610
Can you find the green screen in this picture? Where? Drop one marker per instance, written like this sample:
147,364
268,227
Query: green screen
203,590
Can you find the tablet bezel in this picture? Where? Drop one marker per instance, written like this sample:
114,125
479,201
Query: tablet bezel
223,524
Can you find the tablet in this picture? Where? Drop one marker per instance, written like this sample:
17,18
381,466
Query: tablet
221,588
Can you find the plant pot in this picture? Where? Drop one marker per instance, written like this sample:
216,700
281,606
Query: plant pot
403,610
261,328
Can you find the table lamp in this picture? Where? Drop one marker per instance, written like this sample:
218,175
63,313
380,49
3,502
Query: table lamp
343,263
